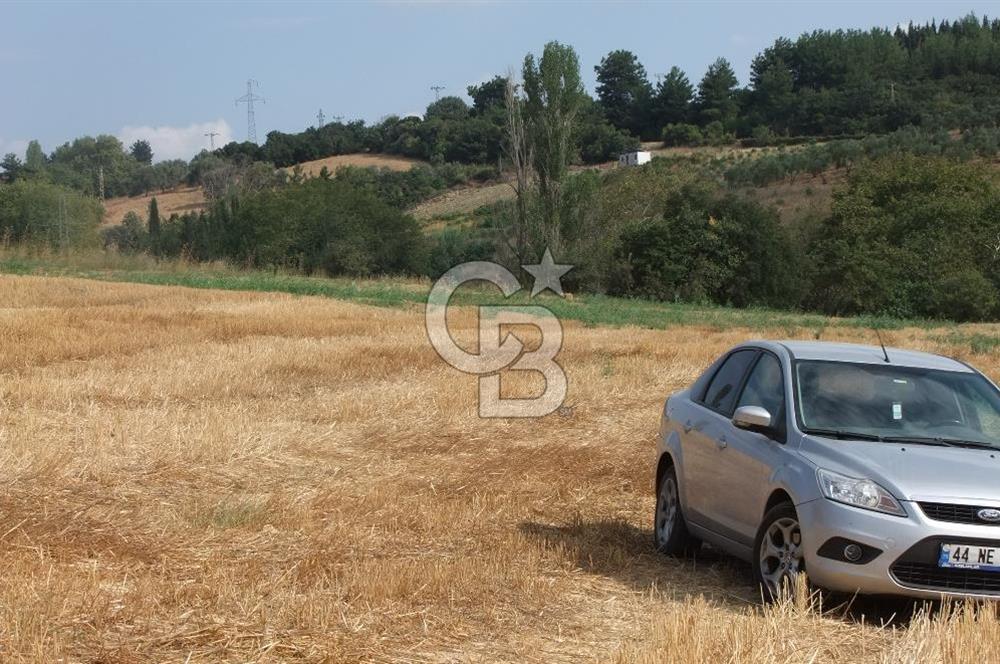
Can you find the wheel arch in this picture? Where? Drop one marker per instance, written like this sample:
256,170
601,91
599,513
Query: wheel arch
665,462
778,496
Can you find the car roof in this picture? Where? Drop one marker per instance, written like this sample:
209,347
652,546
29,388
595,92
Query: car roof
862,354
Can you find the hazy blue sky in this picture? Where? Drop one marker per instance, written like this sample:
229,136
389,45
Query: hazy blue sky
170,71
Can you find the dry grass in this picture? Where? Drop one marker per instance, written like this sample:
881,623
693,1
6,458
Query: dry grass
179,200
462,201
392,162
203,476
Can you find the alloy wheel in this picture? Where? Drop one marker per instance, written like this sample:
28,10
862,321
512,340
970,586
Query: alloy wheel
666,510
781,555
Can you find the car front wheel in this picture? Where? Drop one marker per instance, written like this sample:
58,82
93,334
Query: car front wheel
670,533
778,552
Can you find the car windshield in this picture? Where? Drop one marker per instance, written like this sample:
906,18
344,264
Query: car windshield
886,401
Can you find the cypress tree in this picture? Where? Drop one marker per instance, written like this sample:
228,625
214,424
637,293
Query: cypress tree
154,226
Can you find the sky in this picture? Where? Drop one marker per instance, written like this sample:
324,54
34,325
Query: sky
170,72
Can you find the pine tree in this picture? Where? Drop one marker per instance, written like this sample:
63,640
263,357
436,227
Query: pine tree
623,91
142,152
672,104
717,93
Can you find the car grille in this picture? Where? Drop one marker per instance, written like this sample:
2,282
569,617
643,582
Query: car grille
929,575
955,513
918,568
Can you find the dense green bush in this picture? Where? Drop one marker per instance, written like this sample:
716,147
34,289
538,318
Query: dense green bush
707,248
453,246
681,135
38,212
321,225
911,236
601,142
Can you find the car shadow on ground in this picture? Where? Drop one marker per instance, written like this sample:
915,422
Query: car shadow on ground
623,552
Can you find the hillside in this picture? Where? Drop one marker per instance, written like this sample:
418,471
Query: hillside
179,201
392,162
792,198
186,199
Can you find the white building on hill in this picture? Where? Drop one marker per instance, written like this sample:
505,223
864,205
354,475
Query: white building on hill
637,158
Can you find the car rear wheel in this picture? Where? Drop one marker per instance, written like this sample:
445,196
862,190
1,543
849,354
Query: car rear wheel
670,533
777,556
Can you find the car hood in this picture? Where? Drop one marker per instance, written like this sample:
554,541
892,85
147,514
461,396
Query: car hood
913,471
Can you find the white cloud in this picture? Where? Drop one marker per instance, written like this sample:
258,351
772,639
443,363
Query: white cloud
178,142
15,145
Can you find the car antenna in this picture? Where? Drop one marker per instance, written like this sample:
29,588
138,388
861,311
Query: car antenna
879,335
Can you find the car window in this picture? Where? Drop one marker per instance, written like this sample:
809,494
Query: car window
890,400
721,392
766,388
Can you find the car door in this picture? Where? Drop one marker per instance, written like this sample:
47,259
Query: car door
745,463
704,429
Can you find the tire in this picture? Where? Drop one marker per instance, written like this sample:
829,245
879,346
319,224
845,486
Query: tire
670,532
777,552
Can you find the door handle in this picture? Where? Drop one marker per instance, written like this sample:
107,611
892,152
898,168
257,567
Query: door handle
721,443
688,427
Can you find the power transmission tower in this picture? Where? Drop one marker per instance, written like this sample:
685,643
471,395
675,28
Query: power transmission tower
211,138
437,91
100,182
320,119
250,99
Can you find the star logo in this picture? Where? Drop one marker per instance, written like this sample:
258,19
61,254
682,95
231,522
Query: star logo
547,275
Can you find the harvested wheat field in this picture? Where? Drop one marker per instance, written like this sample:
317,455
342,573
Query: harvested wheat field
360,160
206,476
176,201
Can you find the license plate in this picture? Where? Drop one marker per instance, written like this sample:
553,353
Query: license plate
967,556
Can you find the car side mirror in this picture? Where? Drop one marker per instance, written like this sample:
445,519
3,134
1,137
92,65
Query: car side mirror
753,418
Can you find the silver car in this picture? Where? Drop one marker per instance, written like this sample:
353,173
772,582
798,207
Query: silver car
875,471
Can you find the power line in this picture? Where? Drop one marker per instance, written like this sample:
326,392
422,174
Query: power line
211,138
437,91
249,99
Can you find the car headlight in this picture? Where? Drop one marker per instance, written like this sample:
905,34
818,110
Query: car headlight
861,493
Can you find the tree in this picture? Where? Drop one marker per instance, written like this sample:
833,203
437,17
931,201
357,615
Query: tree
598,140
142,152
773,96
672,102
488,95
726,250
154,222
78,165
518,152
624,91
717,94
447,108
34,158
911,236
553,96
36,212
11,165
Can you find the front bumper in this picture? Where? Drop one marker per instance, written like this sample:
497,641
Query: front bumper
909,545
